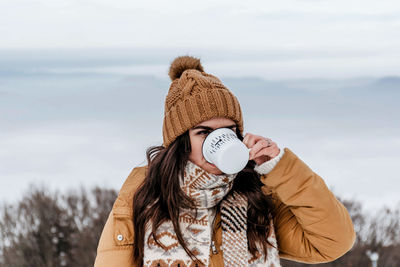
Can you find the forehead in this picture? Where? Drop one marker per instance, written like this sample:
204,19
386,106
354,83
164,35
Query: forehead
217,122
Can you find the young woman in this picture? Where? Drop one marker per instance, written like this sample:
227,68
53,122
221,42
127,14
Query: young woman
181,210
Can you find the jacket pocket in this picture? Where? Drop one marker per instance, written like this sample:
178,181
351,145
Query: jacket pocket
123,228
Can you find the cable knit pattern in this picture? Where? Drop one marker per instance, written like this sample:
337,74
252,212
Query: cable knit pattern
267,166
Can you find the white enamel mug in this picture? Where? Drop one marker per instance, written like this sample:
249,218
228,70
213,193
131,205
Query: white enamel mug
223,148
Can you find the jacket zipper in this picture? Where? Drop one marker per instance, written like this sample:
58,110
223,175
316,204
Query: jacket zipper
213,246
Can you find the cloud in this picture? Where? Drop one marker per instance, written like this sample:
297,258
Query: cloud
254,24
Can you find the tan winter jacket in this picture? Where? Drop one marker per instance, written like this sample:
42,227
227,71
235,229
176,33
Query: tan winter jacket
311,225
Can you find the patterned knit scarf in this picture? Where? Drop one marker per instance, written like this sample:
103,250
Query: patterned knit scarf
207,190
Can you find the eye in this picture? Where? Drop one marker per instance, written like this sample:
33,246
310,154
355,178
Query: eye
203,132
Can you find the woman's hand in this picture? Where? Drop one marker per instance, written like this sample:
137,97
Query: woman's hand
262,148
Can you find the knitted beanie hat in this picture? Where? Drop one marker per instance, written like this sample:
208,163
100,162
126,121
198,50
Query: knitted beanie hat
195,96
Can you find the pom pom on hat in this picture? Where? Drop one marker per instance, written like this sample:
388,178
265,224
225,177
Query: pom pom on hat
182,63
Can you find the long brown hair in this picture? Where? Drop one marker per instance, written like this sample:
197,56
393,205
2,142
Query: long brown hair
160,198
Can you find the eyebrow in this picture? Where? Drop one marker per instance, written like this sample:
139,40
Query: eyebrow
211,129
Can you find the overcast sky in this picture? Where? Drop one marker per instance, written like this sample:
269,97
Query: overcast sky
317,38
368,25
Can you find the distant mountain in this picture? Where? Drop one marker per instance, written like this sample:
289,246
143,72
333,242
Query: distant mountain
389,83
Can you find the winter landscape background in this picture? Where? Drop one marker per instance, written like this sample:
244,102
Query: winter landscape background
82,88
75,122
86,117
